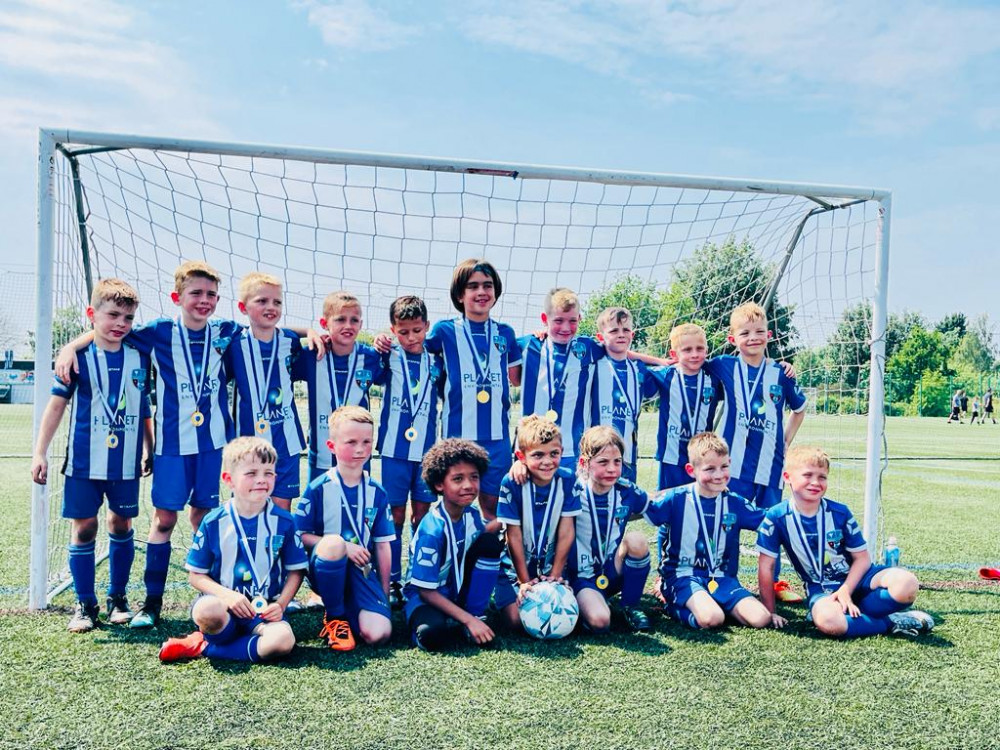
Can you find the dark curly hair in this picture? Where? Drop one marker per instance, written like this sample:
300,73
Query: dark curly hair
448,453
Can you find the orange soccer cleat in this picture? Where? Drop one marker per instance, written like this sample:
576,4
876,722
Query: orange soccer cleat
189,647
785,593
338,634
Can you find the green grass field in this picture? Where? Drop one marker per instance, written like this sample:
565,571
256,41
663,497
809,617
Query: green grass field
670,688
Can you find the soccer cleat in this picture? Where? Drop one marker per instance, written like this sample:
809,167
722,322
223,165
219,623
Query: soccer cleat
785,593
118,610
148,615
636,618
990,574
294,606
913,622
314,601
191,646
338,634
84,619
396,595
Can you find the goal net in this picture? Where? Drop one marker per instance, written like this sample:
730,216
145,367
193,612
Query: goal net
672,248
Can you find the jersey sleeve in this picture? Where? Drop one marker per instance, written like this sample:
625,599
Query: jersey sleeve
64,390
200,557
293,554
428,554
659,379
513,347
650,387
374,363
854,540
571,498
143,338
768,537
383,529
434,342
304,511
794,396
304,364
509,507
750,517
383,373
638,501
658,511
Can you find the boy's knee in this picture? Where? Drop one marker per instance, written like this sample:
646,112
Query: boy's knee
903,586
512,617
331,547
164,520
376,632
598,620
829,619
276,639
119,524
710,618
636,544
210,614
84,530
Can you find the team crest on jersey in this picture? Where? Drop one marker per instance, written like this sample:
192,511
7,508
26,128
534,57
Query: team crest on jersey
289,359
435,372
728,521
276,541
500,343
363,378
370,514
578,348
832,537
621,513
775,392
138,377
706,395
222,343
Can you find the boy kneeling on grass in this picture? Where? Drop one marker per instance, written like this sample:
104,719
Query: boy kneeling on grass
247,562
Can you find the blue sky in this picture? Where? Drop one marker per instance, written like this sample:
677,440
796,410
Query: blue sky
899,95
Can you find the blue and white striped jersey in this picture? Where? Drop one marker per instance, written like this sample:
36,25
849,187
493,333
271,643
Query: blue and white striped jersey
408,425
477,391
687,407
617,390
359,514
822,565
703,534
601,524
265,401
335,381
555,379
220,550
537,510
110,403
192,414
753,416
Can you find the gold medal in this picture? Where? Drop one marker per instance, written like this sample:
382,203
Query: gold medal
261,426
112,441
602,582
552,415
483,397
411,434
197,419
259,604
712,586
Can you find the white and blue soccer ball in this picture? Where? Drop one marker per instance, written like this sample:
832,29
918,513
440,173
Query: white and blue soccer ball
549,611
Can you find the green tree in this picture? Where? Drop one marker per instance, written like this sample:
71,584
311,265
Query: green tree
899,328
924,352
636,295
931,397
67,324
952,327
849,349
971,354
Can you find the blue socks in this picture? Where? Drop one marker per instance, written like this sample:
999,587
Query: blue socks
157,563
684,615
859,627
634,579
81,567
227,645
482,581
330,577
396,545
880,604
121,553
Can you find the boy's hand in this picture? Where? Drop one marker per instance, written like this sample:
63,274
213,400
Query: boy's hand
541,333
147,464
519,472
479,631
318,342
357,554
777,621
847,605
789,369
382,343
65,363
40,470
554,579
523,589
272,612
238,604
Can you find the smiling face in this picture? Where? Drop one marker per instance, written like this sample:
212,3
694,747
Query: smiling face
711,473
562,325
251,480
750,338
112,322
460,486
263,307
692,348
343,325
411,334
479,296
197,301
807,481
542,461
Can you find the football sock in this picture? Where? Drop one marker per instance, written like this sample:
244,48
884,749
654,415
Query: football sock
685,615
485,552
330,577
859,627
157,563
396,545
121,553
227,645
880,604
81,567
634,579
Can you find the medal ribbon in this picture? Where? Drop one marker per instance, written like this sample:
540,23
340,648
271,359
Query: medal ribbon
550,368
815,562
713,543
692,416
352,366
358,523
483,371
539,537
425,378
261,381
603,540
457,564
97,361
744,375
197,389
253,557
633,380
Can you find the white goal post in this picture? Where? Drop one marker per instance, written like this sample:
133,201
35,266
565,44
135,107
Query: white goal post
382,224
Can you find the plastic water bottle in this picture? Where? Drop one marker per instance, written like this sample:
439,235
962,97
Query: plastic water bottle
891,552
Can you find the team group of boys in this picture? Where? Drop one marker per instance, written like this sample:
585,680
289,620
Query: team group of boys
563,497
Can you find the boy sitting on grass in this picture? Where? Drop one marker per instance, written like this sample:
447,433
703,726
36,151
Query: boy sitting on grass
247,562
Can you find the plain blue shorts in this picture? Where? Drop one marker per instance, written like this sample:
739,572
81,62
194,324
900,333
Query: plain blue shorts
672,475
360,593
402,479
615,580
179,480
729,593
82,498
814,593
287,483
500,463
762,497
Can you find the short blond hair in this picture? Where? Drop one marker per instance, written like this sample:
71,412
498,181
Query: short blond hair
685,329
597,439
614,315
194,269
334,302
704,443
116,291
561,299
350,414
749,312
242,448
535,430
806,455
253,281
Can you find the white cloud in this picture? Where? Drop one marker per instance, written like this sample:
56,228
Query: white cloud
356,24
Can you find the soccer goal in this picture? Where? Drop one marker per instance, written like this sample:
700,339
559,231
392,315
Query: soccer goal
671,247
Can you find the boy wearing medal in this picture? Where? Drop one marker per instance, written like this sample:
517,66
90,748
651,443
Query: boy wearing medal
848,596
757,392
247,562
260,360
342,379
105,457
454,567
343,517
408,427
606,559
700,560
619,384
538,514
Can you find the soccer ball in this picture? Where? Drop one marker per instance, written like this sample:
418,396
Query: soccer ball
549,611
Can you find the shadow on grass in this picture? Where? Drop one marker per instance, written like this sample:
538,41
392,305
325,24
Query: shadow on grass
805,630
